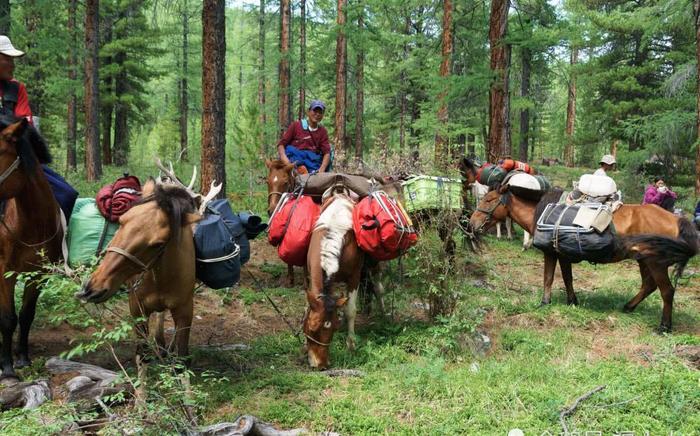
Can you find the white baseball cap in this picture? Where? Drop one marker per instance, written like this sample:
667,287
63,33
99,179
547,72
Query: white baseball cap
8,49
608,159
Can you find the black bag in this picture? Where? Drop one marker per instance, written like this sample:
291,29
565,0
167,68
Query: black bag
557,233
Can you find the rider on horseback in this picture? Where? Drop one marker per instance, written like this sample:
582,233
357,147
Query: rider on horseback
305,143
13,93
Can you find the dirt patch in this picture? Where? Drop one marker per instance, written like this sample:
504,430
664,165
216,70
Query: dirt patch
690,353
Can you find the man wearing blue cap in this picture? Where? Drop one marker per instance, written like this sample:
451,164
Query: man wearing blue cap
305,143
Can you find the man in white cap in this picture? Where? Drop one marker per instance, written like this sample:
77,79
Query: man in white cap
13,94
607,163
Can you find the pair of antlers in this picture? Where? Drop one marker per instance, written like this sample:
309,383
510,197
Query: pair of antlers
171,178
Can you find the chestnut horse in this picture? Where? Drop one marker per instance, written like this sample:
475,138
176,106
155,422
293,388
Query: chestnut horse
333,257
667,240
154,248
30,224
280,179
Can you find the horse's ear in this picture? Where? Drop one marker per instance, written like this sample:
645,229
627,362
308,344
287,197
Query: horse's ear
15,130
502,189
149,187
289,167
268,163
191,218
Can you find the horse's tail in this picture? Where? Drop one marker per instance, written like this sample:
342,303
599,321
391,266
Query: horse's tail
336,220
661,250
687,233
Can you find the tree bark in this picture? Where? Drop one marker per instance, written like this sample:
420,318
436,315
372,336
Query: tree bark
261,78
213,94
121,108
107,104
5,19
184,91
403,94
697,54
441,140
284,79
72,119
92,92
340,84
360,94
526,56
571,112
499,99
302,60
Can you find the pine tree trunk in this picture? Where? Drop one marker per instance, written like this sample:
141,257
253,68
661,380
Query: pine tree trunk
107,103
499,98
5,19
36,92
72,119
360,94
213,94
92,91
302,60
526,56
613,147
261,78
441,140
284,79
121,124
184,91
571,112
403,94
697,54
340,85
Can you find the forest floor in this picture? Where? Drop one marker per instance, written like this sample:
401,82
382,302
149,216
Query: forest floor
499,362
445,377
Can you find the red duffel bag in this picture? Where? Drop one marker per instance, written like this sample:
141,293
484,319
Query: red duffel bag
115,199
382,227
290,227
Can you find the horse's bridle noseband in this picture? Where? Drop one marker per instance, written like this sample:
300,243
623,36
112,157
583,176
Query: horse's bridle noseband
145,267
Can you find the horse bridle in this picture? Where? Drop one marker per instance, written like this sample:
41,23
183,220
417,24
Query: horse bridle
303,322
11,169
145,267
501,201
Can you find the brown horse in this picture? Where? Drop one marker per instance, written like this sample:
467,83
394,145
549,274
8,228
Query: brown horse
669,240
280,179
154,248
30,223
333,257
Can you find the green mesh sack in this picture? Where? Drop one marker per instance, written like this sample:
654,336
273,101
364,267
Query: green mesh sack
85,231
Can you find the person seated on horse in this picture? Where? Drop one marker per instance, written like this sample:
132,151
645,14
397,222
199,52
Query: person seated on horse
305,143
658,193
607,163
15,101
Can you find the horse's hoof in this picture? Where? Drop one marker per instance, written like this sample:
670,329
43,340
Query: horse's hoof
350,344
628,309
544,303
573,302
23,362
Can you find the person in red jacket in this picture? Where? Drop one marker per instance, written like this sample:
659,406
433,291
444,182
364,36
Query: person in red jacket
305,143
13,93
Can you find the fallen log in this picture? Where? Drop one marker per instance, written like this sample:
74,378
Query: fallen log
57,365
343,373
246,425
28,395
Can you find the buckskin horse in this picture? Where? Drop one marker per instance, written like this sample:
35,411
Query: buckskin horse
333,257
30,224
649,234
154,251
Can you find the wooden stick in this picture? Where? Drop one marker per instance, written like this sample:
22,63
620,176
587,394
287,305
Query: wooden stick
568,411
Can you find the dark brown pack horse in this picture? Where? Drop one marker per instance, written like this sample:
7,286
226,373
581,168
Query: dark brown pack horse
649,234
30,224
154,252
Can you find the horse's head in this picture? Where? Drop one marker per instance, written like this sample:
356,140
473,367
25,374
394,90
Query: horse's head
468,170
279,181
144,233
492,209
21,150
320,323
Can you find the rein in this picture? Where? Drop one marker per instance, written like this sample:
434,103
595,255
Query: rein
14,236
8,172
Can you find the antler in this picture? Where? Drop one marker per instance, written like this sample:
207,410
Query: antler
169,173
214,190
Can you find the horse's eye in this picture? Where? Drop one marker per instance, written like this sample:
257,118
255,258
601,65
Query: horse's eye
327,324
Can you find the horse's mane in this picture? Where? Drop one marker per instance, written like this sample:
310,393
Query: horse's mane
552,196
31,146
176,202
